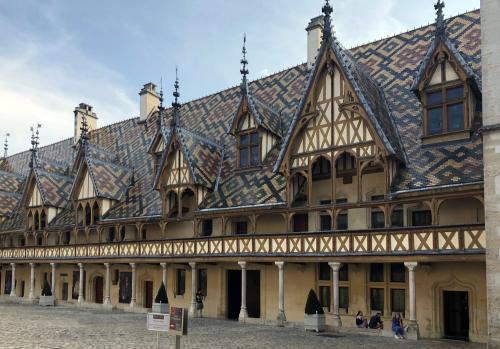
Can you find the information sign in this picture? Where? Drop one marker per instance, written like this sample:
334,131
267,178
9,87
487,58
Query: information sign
158,322
178,321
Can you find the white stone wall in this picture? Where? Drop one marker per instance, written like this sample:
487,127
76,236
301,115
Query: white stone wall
490,23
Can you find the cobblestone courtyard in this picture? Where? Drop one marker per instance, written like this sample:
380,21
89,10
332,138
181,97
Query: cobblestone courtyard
24,326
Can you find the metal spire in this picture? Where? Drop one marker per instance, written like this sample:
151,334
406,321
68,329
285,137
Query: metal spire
439,18
327,27
84,130
160,108
244,62
35,139
175,104
6,145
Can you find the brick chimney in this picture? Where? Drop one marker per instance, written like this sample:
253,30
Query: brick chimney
314,33
84,110
150,100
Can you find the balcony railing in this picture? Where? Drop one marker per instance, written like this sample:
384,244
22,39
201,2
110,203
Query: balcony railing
404,241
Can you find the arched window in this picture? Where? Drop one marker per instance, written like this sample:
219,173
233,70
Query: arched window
36,221
88,215
96,213
172,204
188,202
43,220
298,188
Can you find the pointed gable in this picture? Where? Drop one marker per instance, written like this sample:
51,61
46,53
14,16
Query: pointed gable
341,106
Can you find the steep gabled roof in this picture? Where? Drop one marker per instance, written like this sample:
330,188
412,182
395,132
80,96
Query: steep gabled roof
472,76
371,97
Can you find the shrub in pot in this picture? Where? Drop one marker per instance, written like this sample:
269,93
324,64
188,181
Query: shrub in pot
47,298
314,316
160,304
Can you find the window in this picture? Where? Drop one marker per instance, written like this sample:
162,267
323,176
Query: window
445,110
207,227
202,281
378,219
324,296
240,228
67,237
376,272
398,273
125,291
378,197
377,299
325,222
324,271
397,218
342,221
321,169
346,164
398,301
39,241
300,222
344,272
111,234
421,218
180,285
249,149
343,298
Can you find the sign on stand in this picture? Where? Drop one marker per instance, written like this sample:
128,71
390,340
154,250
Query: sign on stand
175,323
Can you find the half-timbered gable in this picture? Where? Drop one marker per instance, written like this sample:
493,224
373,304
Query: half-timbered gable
448,88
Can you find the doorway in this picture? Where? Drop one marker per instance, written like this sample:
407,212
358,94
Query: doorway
234,293
64,291
456,315
98,287
22,289
148,294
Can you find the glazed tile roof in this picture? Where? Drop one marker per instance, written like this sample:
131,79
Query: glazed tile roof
384,68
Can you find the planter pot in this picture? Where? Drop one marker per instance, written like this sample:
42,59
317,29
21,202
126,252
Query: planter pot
315,322
46,301
162,308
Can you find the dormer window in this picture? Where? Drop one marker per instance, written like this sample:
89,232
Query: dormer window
445,109
249,149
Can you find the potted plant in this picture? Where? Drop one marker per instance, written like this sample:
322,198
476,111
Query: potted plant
314,317
46,299
160,304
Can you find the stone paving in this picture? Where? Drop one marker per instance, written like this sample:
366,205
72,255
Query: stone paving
28,326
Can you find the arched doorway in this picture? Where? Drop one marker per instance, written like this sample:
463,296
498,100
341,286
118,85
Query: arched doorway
98,289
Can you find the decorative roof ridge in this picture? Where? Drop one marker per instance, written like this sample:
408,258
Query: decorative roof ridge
219,170
430,24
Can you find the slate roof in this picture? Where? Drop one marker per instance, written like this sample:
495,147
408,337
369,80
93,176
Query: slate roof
384,68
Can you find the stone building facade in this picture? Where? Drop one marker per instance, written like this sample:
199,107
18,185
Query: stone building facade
358,174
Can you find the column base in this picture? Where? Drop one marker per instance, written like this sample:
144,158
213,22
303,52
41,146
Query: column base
243,315
192,310
412,330
12,295
281,319
334,320
81,300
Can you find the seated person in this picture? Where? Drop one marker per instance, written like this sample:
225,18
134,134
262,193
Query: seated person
397,326
376,322
361,320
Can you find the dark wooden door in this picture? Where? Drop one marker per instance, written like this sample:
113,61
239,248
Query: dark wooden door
300,222
22,289
98,289
148,294
456,315
233,294
253,293
64,291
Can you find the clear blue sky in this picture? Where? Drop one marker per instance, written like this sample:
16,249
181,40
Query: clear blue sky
56,54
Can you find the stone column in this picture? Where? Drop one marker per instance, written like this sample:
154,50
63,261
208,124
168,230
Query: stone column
490,51
281,292
411,289
192,307
31,295
243,310
13,280
53,280
80,284
164,273
335,288
107,297
133,300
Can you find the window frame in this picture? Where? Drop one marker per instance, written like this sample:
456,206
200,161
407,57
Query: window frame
249,147
444,105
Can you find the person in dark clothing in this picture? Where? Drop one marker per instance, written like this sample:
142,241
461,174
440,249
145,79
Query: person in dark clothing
199,302
361,320
376,322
